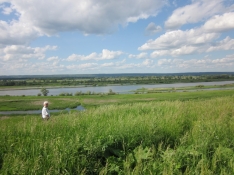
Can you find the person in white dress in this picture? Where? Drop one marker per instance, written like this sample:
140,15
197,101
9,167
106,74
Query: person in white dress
45,111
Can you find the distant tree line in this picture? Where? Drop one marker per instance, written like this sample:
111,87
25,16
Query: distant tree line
102,81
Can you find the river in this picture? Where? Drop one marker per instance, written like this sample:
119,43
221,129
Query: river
121,89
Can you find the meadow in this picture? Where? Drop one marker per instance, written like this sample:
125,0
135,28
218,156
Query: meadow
23,103
162,133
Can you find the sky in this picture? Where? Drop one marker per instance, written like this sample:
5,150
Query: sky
116,36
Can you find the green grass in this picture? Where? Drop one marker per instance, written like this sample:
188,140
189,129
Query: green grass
19,103
155,137
189,88
10,103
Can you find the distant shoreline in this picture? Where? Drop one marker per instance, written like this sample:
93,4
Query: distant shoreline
8,88
111,75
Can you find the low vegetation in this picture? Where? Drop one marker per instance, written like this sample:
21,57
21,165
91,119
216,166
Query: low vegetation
189,88
25,103
178,135
20,103
108,79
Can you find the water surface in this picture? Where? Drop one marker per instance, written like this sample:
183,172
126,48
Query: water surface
121,89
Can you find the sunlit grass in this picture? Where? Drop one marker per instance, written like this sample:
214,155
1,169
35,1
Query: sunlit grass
167,137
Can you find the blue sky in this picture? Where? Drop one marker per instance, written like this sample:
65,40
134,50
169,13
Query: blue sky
109,36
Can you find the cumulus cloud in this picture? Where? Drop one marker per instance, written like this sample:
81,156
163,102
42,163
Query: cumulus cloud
17,32
199,10
199,64
6,10
53,59
83,66
152,28
184,50
89,17
113,66
96,66
225,44
159,53
220,23
105,55
17,52
148,62
139,56
14,67
198,40
179,38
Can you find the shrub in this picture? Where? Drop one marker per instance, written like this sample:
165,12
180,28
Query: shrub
44,91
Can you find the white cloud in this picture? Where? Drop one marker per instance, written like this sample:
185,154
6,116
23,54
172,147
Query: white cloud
105,55
14,67
89,17
198,40
96,66
100,67
227,61
197,65
225,44
21,52
184,50
139,56
6,10
17,32
179,38
148,62
197,11
36,18
82,66
129,66
113,65
220,23
108,65
181,65
152,28
159,53
53,59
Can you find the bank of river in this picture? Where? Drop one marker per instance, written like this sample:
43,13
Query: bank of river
121,89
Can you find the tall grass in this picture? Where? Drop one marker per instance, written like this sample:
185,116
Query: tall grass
189,137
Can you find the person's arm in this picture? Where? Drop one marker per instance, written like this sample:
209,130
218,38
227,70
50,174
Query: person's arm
47,112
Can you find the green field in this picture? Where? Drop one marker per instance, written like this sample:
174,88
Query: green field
189,88
161,133
19,103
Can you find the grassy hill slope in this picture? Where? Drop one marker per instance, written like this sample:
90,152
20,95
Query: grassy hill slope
157,137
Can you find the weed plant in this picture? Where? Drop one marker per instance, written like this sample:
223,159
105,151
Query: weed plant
167,137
